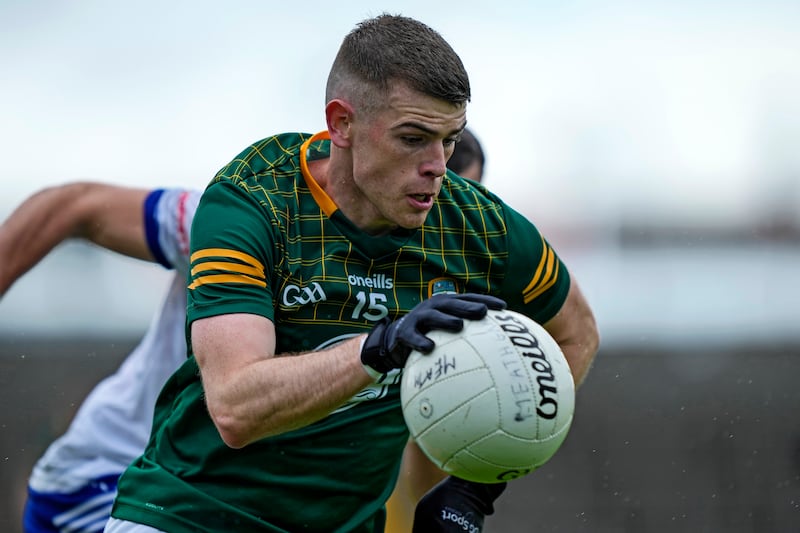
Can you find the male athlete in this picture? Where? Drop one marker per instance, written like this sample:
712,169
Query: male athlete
315,261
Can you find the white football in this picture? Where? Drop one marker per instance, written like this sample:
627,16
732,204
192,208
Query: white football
492,402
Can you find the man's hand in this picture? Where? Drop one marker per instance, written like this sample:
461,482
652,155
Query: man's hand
390,342
456,505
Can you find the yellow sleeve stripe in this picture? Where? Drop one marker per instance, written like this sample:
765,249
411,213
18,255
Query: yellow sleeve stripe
236,267
225,253
530,296
545,276
227,278
232,267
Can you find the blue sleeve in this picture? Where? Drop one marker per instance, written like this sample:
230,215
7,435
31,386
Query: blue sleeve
151,227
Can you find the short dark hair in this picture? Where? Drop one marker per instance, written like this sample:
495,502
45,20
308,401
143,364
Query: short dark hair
467,151
393,48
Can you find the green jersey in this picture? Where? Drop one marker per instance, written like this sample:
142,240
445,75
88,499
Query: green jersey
267,240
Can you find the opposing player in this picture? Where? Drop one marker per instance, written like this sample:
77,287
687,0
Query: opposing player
74,483
468,159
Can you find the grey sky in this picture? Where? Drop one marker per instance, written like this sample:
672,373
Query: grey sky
588,110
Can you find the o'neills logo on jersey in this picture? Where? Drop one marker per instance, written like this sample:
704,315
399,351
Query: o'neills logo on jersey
294,295
376,281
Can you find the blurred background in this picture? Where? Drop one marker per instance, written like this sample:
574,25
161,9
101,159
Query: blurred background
655,144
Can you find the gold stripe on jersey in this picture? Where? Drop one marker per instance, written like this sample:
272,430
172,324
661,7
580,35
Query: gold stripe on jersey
224,252
226,278
545,276
228,267
221,265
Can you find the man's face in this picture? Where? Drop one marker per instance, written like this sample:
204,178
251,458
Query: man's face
399,158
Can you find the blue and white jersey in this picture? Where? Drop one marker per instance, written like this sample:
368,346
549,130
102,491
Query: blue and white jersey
112,426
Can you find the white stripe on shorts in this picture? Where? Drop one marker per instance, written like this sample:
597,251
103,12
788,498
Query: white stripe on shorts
115,525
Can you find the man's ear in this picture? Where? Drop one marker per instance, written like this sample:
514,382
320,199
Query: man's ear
339,116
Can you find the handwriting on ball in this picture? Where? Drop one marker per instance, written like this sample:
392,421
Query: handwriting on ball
441,365
532,352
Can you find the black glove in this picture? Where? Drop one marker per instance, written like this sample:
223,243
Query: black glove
388,344
456,504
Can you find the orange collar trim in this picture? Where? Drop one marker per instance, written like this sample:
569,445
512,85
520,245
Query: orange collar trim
325,202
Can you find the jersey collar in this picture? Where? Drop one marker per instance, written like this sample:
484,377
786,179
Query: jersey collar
323,200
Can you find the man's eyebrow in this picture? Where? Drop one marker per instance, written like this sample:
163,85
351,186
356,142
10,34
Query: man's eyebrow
429,131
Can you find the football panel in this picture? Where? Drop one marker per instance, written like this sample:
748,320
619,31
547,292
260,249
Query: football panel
508,451
442,399
423,371
459,428
467,465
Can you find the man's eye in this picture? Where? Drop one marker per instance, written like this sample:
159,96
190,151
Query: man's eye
449,142
411,140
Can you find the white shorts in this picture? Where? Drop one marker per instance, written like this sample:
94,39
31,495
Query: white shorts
115,525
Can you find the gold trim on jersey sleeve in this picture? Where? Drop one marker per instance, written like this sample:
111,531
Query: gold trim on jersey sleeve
545,276
228,267
224,252
323,200
226,278
224,265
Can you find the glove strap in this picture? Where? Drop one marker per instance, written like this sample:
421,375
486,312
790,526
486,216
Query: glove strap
374,356
374,374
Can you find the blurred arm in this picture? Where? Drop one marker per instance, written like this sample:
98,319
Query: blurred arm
417,476
575,330
419,472
107,215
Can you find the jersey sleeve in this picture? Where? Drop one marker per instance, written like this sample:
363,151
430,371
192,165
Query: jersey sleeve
537,280
232,248
168,215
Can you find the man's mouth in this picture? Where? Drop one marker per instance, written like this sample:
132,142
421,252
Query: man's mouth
421,201
421,197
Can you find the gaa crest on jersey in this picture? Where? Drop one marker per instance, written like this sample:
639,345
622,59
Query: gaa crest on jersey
295,295
442,286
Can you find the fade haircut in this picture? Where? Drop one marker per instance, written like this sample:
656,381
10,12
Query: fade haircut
390,49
